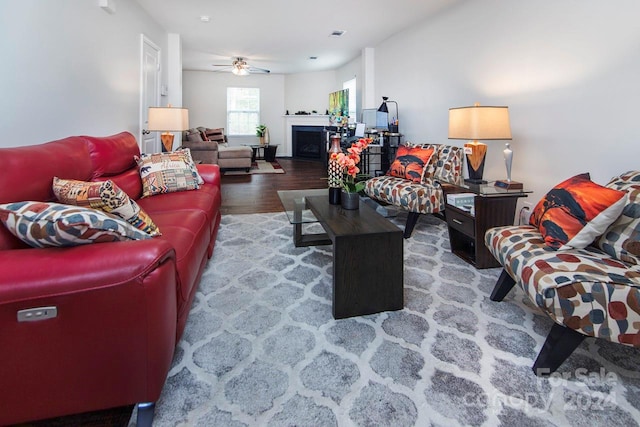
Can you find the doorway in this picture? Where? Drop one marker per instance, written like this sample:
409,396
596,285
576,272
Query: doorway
149,93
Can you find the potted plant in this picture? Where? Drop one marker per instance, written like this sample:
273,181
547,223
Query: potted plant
351,186
261,133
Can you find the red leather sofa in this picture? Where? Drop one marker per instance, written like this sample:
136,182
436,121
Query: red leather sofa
121,306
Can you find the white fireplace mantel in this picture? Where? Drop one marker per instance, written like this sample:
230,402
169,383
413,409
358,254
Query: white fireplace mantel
300,120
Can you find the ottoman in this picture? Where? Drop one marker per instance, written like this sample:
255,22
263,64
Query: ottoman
234,157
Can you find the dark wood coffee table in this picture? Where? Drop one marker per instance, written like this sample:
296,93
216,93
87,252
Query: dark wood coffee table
367,255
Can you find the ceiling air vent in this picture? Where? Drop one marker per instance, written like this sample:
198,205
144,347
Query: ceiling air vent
338,33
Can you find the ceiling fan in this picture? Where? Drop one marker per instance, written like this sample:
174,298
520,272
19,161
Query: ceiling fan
239,67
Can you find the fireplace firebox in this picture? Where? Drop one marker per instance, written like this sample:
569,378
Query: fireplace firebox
308,143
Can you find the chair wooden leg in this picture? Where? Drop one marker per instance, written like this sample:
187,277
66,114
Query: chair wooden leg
559,344
412,219
504,284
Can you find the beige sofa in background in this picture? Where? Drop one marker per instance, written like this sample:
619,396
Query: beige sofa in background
211,146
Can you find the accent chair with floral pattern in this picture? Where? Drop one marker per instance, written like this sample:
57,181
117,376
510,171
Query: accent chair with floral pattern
593,291
425,196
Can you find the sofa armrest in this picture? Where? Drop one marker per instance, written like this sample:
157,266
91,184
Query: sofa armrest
209,173
40,272
115,326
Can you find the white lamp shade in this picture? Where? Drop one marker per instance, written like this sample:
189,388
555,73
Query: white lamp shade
166,119
479,123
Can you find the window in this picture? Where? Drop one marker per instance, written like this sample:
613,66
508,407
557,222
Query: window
351,85
243,110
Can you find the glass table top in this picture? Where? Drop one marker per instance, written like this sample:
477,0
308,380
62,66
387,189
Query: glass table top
295,205
488,189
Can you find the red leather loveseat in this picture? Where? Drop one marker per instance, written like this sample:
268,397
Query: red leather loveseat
121,306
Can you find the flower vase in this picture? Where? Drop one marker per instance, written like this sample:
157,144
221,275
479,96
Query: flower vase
349,201
266,137
334,171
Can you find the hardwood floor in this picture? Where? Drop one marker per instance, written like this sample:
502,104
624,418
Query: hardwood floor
243,194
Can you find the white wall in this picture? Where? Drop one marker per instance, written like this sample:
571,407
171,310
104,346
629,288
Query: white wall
69,68
205,95
351,70
174,70
569,72
310,91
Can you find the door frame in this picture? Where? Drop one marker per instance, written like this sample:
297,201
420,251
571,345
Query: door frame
144,40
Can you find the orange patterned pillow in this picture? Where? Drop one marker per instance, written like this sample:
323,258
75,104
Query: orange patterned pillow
410,163
106,196
576,211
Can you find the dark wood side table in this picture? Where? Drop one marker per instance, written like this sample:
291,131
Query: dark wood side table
256,152
492,207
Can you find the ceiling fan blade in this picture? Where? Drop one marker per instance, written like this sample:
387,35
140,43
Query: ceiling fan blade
258,70
221,65
225,68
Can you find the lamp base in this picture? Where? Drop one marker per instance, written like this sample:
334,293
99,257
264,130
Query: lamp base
509,185
476,153
167,141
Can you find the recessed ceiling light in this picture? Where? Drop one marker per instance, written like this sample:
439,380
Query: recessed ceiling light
205,18
338,33
313,57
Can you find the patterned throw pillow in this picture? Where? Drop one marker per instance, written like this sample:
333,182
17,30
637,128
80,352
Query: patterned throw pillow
449,164
194,136
410,162
42,224
576,211
215,134
191,164
431,166
167,172
622,239
106,196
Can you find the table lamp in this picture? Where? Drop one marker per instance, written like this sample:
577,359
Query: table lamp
168,119
478,123
393,125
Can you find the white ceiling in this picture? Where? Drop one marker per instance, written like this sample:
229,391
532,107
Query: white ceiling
281,35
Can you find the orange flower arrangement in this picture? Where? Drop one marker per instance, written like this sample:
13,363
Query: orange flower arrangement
349,164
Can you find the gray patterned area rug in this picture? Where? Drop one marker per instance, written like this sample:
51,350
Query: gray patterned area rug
261,347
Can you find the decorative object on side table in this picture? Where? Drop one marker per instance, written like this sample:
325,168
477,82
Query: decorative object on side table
508,184
478,123
262,132
348,164
167,119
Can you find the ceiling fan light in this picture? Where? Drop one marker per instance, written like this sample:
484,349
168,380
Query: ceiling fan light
240,71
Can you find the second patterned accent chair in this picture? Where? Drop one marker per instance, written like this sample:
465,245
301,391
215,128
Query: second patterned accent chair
418,191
